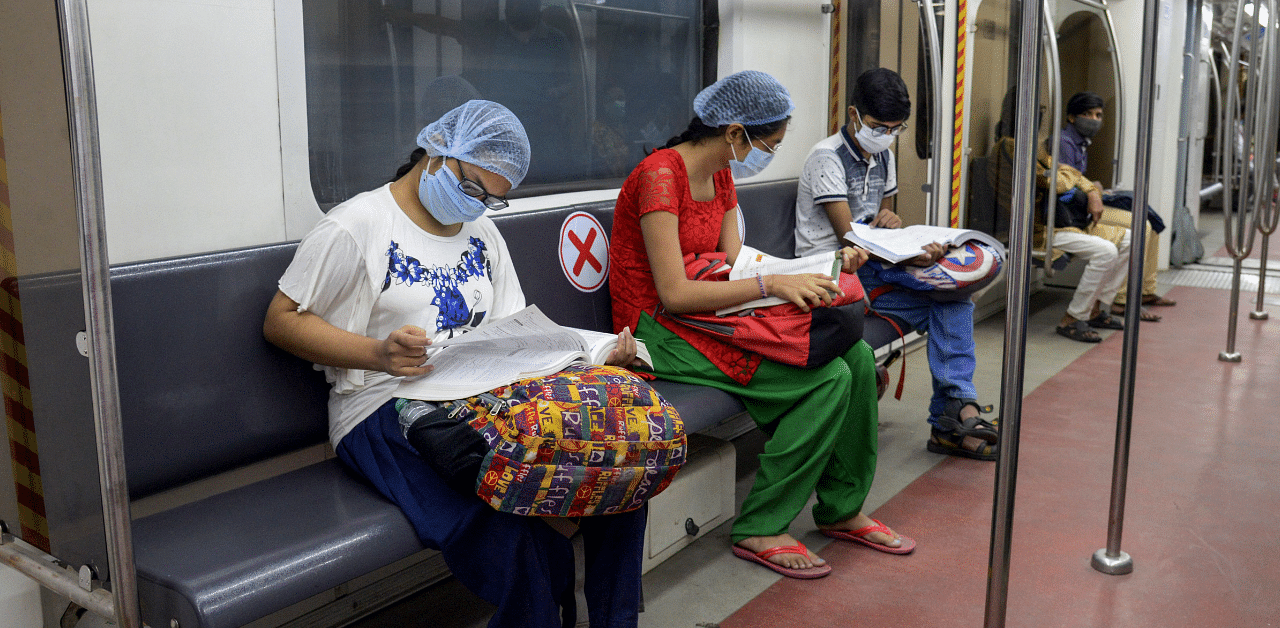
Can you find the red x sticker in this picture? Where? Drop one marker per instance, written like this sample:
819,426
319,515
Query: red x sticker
584,251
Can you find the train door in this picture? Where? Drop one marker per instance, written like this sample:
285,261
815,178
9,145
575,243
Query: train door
1087,61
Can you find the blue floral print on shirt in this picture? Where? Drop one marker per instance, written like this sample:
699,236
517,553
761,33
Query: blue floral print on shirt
447,281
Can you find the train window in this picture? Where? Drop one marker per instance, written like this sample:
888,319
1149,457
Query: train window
595,82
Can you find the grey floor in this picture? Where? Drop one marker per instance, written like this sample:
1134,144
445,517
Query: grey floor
704,583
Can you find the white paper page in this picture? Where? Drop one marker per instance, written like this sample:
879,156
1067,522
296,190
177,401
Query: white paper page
470,370
528,329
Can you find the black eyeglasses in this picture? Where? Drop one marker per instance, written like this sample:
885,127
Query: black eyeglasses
883,129
474,189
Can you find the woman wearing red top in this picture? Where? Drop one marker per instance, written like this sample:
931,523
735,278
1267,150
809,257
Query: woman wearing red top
821,422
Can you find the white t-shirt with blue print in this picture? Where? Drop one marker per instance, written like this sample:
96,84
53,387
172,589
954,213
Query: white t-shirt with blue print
366,268
835,170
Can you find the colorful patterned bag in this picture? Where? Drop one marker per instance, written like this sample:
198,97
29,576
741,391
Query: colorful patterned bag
589,440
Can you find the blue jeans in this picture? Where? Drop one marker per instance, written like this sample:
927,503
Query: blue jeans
518,564
950,341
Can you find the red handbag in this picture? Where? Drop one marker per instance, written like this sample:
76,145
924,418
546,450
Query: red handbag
782,333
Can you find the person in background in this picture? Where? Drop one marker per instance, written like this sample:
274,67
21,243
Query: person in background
851,177
380,278
1084,120
680,200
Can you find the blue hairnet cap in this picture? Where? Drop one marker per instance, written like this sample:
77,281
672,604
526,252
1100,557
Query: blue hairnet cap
749,98
483,133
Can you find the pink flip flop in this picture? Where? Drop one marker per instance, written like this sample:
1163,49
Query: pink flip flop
763,559
859,536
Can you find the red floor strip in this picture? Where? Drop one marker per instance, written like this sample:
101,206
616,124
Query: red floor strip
1200,519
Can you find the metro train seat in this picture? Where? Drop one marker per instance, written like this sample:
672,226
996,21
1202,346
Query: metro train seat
203,393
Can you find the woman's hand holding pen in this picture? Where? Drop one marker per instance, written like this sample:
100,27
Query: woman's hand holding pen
404,352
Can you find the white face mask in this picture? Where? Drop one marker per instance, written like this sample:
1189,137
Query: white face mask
872,142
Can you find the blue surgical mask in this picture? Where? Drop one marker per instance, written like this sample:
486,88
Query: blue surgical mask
443,198
756,161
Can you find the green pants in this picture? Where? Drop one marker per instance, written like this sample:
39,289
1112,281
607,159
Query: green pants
821,424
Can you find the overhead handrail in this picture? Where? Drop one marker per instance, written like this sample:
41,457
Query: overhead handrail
1053,63
1111,559
938,170
1016,298
1238,173
1264,198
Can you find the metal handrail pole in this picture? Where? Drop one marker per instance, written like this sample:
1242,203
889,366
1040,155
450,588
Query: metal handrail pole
1116,158
1268,213
53,574
1015,339
1111,560
1217,107
1051,175
96,283
1189,101
1236,190
929,23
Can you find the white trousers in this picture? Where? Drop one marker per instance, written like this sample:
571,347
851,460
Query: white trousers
1107,269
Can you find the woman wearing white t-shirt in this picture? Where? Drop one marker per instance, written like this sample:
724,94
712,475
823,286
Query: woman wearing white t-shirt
380,278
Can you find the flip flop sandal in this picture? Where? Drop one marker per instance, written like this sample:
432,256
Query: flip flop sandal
762,558
1105,321
975,426
859,536
1143,313
1155,299
951,444
1079,331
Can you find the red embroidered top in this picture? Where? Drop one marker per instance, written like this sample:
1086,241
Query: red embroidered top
661,183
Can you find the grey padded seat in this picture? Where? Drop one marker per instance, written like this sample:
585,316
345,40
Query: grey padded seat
202,393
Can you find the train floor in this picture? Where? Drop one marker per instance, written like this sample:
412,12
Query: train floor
1198,521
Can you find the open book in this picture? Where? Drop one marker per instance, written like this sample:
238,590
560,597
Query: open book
752,262
899,245
524,345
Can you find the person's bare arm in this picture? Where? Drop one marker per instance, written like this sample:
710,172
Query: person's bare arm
312,338
680,294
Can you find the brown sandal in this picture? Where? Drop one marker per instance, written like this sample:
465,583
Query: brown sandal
1155,299
1144,314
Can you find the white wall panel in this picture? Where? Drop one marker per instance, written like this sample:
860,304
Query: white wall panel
789,39
190,128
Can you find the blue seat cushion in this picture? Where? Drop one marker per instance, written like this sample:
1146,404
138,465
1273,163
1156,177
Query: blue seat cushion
232,558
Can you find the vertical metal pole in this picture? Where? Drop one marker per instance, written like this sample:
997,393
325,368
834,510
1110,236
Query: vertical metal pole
1015,339
1235,180
1054,64
1268,215
96,280
1190,97
1111,560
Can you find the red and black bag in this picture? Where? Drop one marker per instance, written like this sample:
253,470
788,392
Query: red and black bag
782,333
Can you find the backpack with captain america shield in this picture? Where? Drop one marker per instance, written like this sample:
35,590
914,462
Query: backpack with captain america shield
966,268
